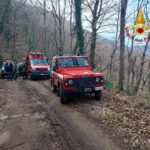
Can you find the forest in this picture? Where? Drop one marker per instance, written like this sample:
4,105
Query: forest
85,27
115,36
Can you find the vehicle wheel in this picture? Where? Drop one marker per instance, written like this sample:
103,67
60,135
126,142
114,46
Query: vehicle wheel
58,90
63,98
54,87
2,76
30,77
23,77
48,77
98,95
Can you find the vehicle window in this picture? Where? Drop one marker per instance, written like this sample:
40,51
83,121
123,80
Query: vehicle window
66,62
39,62
82,61
73,62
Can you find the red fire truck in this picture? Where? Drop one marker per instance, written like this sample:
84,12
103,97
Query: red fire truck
37,66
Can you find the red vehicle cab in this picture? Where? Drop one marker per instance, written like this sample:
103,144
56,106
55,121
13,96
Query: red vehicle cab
37,66
73,74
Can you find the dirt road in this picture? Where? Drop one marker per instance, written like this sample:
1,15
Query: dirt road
32,118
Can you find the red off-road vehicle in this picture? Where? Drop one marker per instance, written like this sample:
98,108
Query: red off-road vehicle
73,75
36,65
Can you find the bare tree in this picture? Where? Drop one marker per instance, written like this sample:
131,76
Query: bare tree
59,15
122,43
78,26
42,7
100,11
5,10
130,51
141,67
14,34
71,25
45,26
117,36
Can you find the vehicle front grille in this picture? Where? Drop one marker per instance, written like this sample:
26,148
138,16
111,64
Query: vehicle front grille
85,82
41,69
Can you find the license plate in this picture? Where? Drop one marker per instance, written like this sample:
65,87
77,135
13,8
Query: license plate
87,90
99,88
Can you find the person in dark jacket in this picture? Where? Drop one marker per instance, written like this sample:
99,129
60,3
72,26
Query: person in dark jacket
10,70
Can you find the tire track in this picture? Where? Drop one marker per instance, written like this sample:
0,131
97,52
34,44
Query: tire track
72,129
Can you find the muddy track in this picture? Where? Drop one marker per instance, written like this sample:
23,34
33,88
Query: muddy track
66,139
49,124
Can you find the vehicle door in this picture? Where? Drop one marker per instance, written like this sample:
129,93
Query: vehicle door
54,71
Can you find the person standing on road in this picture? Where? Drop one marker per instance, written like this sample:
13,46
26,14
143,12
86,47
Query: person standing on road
9,69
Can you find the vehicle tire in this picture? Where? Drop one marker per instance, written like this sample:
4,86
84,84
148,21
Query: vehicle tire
54,87
48,77
30,77
63,98
58,90
98,95
2,76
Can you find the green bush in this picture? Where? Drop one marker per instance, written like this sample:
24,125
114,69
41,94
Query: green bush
108,84
128,92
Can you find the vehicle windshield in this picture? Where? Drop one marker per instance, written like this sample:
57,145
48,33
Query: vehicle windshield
73,62
39,62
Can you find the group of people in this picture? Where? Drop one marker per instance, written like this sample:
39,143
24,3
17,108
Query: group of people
10,70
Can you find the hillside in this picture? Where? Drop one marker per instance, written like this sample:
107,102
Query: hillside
29,34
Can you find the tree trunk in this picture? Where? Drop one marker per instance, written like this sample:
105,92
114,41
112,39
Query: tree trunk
94,32
14,37
60,30
45,27
112,61
133,62
149,77
129,64
122,44
141,68
93,47
79,29
71,27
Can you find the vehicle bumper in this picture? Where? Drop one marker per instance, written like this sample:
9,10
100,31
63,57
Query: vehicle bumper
85,90
40,74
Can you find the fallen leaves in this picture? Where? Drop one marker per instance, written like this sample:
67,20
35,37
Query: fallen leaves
130,116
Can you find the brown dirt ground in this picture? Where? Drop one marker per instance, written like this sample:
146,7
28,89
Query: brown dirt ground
32,118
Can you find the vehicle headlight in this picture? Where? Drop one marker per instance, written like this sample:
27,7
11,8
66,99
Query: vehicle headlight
49,69
102,80
97,79
69,82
